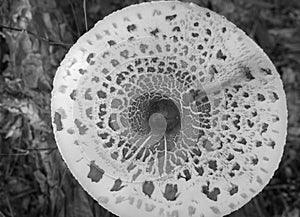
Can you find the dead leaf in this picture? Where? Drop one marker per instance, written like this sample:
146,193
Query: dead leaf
32,70
42,180
80,205
293,213
21,12
15,130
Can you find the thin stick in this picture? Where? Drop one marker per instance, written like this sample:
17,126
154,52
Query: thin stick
1,214
9,206
85,15
75,18
256,204
23,194
36,36
24,152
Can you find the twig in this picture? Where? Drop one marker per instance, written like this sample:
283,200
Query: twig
62,178
260,212
75,18
1,214
24,152
85,15
280,186
36,36
23,194
9,205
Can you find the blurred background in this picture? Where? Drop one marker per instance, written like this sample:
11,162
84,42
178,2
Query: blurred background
34,37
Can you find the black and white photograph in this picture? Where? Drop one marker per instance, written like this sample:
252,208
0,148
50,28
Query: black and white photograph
150,108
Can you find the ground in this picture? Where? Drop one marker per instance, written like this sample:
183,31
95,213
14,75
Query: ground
34,37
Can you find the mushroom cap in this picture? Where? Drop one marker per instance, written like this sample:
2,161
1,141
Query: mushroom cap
220,95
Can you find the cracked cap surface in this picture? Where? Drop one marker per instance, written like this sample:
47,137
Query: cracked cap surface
219,102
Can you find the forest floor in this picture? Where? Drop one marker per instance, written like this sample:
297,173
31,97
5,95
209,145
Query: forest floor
34,37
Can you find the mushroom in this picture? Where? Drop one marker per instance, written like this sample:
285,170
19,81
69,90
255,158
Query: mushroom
168,109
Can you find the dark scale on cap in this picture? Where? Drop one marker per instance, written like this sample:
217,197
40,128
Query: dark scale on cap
148,188
237,87
208,31
114,155
111,42
264,128
200,47
114,62
57,121
234,104
230,157
95,173
101,94
199,170
154,32
117,185
140,69
247,72
271,144
233,190
102,109
212,164
82,71
112,89
89,58
213,69
171,192
245,94
100,124
108,78
266,71
186,175
275,95
258,144
236,166
151,69
260,97
254,160
247,106
220,55
110,143
195,34
87,94
105,84
96,79
82,128
103,135
236,122
175,39
231,174
242,141
213,194
250,123
131,27
171,17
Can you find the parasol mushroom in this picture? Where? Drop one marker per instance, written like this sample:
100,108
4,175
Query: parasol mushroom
168,109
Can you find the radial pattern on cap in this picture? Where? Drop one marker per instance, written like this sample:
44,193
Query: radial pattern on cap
168,109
